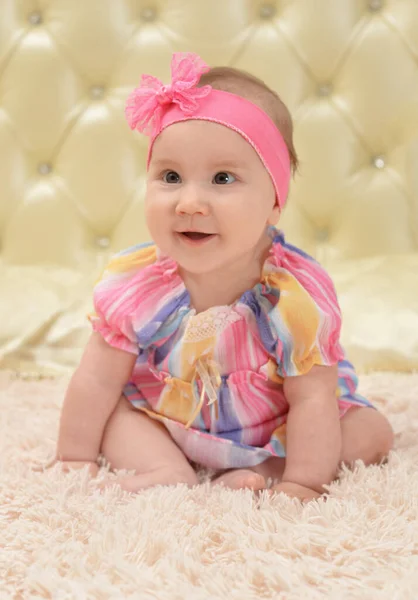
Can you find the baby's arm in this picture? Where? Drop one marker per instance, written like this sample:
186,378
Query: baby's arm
313,432
92,395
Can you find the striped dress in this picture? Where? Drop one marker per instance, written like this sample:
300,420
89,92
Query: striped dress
215,379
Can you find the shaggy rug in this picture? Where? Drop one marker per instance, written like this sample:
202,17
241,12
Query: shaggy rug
61,539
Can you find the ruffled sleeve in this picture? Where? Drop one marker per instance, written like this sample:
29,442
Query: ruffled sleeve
113,298
306,320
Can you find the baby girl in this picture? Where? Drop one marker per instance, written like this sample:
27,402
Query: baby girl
218,343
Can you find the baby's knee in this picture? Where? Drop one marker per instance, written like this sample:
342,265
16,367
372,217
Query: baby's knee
381,437
367,435
384,436
183,474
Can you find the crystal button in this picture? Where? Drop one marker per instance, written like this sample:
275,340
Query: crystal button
97,91
44,168
375,5
103,242
148,14
379,162
267,11
35,18
322,235
324,89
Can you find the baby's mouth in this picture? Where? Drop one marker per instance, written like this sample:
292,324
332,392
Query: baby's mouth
196,235
196,239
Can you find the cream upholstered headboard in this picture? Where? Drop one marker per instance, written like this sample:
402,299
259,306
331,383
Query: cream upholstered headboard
72,173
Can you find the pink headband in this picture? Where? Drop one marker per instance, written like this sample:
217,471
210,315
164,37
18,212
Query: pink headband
153,106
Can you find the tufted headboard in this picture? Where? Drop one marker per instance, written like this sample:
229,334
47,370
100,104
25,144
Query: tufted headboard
72,173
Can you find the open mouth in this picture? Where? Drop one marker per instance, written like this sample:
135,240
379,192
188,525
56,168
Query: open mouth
196,236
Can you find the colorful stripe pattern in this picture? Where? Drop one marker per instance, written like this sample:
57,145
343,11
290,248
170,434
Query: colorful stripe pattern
287,323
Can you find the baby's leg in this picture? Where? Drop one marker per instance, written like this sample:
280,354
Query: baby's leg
366,435
132,440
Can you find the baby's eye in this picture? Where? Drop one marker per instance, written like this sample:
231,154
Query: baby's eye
223,178
171,177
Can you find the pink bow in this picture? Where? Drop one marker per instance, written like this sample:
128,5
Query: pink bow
145,105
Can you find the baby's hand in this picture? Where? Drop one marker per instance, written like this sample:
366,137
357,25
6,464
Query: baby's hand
294,490
71,465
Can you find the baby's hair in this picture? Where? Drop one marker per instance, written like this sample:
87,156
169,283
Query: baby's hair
241,83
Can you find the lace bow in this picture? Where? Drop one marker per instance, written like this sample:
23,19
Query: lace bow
146,104
208,373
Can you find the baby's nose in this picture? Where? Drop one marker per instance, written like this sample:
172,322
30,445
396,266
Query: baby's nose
191,201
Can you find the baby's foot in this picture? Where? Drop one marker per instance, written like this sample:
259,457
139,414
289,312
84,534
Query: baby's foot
238,479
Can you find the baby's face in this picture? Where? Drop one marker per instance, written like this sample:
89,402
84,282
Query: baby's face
209,197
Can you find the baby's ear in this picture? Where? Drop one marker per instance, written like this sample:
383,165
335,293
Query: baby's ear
275,215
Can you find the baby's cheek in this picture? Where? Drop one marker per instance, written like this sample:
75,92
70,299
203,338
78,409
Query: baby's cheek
149,211
248,215
155,205
155,219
